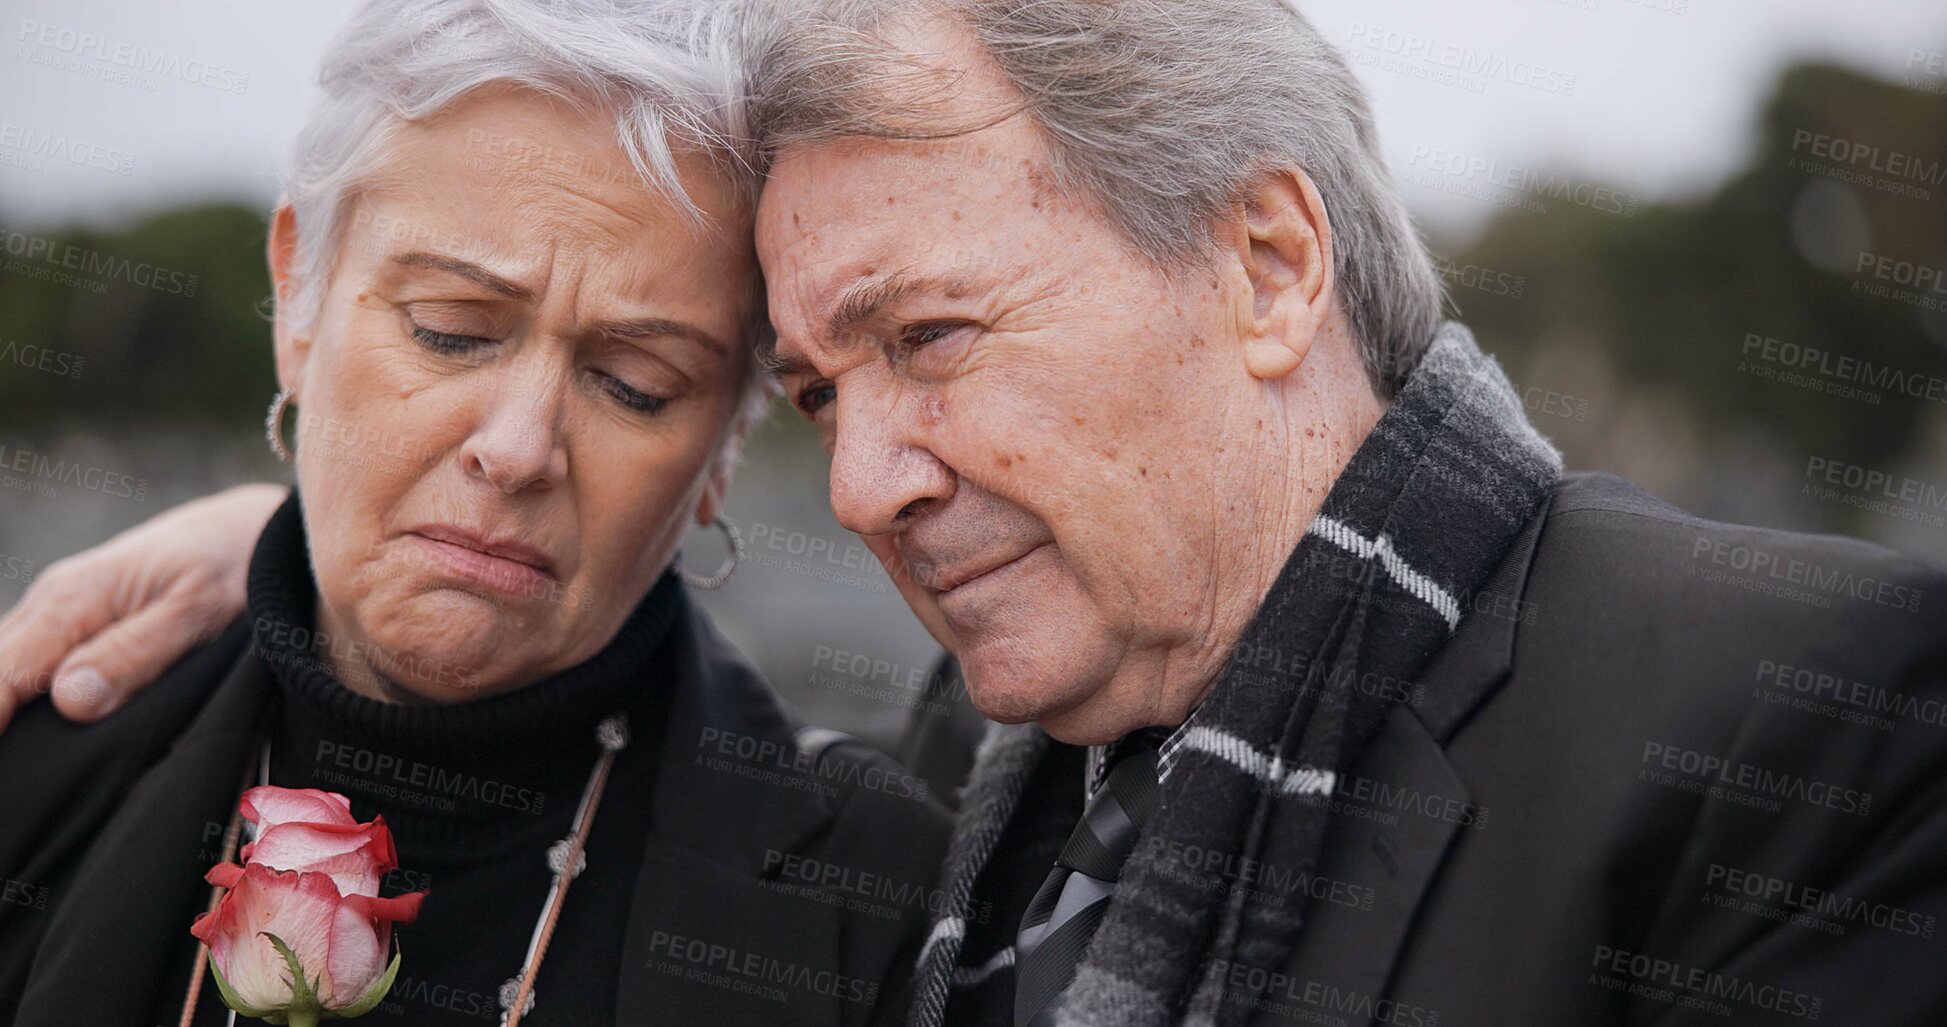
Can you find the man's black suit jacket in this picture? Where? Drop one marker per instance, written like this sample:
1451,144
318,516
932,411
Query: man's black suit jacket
1666,771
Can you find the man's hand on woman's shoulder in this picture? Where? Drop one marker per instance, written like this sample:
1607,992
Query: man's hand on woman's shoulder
100,625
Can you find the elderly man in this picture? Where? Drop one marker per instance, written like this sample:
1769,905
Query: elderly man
1332,699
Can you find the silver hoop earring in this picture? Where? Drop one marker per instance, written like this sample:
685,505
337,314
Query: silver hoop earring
274,425
724,572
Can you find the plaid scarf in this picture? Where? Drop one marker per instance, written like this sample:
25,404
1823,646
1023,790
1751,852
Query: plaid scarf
1414,525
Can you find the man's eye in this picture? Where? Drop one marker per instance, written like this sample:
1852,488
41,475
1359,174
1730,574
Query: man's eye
913,336
816,397
447,343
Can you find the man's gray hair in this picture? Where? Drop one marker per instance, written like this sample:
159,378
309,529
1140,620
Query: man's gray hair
671,73
1163,111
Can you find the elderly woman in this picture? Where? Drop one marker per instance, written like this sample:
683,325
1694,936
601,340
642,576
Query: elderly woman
516,302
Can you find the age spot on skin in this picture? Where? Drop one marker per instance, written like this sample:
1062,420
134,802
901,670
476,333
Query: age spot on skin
932,410
1001,461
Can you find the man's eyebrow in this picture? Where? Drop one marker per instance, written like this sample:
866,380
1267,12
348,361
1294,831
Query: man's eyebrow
863,300
858,304
465,269
782,366
662,327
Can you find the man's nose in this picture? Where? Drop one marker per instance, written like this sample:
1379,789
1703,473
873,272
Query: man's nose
517,442
881,471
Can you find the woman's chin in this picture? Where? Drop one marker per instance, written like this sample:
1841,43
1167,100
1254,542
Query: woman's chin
448,646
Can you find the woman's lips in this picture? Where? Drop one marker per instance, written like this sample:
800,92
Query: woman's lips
503,574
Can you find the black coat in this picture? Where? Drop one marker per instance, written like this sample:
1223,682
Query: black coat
1539,840
93,916
1585,791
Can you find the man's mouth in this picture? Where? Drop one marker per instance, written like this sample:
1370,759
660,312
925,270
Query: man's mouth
960,578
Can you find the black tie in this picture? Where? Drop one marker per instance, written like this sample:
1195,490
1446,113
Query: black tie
1072,901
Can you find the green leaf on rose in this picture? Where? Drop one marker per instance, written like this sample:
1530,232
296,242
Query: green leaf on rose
304,995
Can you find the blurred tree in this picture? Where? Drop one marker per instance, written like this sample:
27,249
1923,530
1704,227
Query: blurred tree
1648,318
166,318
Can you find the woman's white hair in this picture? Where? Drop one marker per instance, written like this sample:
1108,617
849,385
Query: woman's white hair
670,72
1160,110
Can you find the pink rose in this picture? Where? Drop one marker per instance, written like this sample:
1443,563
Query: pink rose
302,931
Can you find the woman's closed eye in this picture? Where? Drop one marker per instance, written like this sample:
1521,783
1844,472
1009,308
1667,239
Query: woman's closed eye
448,343
628,395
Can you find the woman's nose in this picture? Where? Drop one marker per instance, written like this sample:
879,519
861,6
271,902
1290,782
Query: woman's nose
517,443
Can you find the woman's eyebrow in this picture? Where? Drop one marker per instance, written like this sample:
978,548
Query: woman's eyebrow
662,327
465,269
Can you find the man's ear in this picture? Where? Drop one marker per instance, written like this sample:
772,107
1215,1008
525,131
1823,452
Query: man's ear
1281,237
293,344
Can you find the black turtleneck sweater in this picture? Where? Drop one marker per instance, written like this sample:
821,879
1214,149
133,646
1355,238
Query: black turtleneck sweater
474,793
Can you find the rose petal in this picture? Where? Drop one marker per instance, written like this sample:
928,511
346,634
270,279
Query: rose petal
357,957
351,855
268,805
399,909
300,909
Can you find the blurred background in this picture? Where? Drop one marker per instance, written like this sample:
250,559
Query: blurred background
1706,238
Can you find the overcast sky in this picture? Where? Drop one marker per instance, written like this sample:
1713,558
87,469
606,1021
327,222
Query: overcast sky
1651,100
